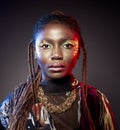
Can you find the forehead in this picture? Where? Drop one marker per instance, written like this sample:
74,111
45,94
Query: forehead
55,31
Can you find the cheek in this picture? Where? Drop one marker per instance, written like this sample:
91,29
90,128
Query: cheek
40,54
42,58
72,58
73,54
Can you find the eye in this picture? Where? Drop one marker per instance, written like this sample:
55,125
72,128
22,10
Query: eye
68,45
45,46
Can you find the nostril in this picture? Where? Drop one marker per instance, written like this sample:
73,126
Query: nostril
57,55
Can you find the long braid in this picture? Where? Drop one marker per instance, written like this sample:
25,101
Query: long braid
84,89
24,97
85,70
32,70
33,76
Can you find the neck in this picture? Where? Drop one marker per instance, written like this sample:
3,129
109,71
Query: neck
57,85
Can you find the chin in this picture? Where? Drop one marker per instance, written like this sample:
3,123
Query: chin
57,75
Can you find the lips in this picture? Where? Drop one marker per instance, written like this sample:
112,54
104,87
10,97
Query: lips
57,67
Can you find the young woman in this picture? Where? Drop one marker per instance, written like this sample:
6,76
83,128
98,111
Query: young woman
52,98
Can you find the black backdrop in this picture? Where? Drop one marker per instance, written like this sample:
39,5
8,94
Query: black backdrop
100,27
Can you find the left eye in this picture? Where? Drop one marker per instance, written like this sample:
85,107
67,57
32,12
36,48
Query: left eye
68,45
46,46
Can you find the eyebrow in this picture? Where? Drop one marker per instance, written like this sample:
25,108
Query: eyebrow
60,40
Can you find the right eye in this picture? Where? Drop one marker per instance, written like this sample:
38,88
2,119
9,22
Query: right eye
45,46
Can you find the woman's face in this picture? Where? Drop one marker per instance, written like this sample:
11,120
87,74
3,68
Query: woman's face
56,50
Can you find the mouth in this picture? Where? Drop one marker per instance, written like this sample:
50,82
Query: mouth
56,68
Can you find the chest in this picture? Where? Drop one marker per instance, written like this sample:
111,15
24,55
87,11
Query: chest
67,120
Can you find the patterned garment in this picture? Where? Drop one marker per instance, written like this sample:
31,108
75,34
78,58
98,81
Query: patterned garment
44,123
72,119
5,112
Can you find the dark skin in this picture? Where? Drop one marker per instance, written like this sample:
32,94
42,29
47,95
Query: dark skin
56,51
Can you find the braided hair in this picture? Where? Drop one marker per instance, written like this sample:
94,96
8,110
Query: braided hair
25,97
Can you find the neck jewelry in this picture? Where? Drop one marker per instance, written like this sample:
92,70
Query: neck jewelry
52,108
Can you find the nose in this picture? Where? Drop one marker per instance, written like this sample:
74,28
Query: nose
57,53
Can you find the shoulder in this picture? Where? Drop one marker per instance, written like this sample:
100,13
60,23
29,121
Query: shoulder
5,109
20,88
6,106
106,116
97,94
92,92
96,97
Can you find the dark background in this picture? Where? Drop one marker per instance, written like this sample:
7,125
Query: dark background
100,27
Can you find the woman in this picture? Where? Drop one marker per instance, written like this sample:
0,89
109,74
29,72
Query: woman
52,98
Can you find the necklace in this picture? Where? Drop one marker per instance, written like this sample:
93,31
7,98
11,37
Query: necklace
63,106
